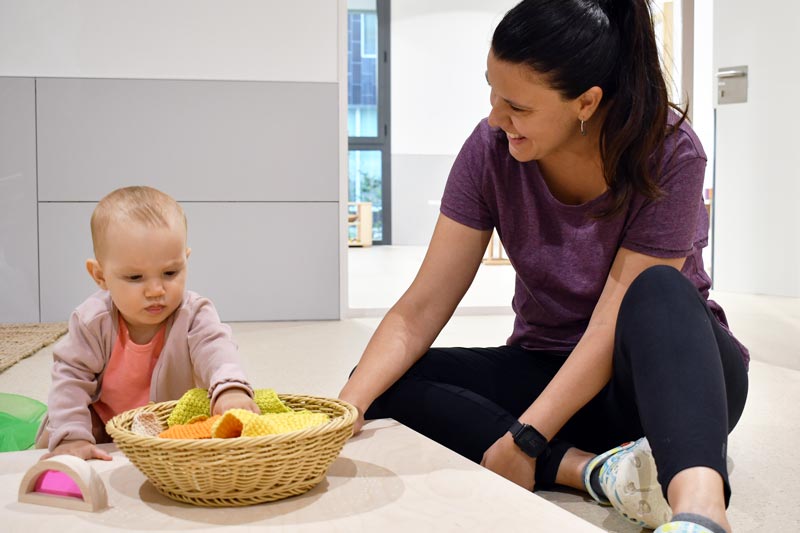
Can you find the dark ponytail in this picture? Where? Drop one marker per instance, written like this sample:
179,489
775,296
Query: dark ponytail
611,44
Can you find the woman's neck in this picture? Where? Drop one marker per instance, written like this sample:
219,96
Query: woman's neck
574,177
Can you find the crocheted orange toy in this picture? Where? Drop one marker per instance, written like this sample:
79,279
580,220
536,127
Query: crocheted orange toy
230,424
197,428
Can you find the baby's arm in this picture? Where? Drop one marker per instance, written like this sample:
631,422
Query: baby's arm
234,398
77,361
79,448
215,358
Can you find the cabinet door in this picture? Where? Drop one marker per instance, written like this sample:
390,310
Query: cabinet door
256,261
210,141
19,275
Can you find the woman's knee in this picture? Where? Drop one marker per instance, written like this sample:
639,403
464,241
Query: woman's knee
660,307
658,279
657,288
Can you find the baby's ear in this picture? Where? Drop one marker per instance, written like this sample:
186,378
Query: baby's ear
96,271
188,252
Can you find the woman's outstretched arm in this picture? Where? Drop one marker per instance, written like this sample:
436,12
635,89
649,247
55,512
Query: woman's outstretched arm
413,323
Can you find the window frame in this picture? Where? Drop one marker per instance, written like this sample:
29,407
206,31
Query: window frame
381,142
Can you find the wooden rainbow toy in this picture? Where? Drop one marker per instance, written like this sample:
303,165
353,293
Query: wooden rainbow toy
64,481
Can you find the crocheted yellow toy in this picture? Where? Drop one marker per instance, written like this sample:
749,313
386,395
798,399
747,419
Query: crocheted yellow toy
274,423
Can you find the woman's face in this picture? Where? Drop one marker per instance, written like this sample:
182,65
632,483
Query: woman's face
537,120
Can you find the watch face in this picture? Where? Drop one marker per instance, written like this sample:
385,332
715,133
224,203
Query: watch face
529,440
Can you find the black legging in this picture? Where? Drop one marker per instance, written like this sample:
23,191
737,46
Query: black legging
678,378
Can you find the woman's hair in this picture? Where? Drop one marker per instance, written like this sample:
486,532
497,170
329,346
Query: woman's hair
135,204
578,44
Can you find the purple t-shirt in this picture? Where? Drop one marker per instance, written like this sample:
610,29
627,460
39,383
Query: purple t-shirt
561,255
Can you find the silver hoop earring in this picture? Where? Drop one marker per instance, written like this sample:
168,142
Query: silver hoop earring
583,128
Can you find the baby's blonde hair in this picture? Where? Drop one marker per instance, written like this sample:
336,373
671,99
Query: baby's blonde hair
141,204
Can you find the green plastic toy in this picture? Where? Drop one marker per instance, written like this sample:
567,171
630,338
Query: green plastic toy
20,417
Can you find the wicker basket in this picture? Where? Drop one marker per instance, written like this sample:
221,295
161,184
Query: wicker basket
240,471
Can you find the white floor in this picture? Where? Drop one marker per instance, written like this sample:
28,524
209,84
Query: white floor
316,357
378,276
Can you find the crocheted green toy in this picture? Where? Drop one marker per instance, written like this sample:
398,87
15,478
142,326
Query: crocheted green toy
195,402
267,400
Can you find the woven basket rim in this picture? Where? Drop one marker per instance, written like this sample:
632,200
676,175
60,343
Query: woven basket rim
119,427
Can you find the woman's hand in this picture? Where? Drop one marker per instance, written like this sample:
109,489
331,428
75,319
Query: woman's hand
79,448
235,398
505,458
359,422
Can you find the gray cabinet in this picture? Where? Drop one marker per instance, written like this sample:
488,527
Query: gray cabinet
254,164
196,140
256,261
19,284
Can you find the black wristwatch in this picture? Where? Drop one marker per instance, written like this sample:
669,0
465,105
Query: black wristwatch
528,439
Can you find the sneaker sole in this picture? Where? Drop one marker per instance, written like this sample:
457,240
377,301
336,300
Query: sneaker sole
630,482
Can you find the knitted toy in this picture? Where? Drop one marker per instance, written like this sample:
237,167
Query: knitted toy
195,402
267,400
231,423
199,428
274,423
190,418
146,424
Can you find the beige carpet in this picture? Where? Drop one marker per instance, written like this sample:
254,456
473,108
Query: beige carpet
18,341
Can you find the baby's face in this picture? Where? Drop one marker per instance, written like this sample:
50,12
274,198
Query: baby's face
145,271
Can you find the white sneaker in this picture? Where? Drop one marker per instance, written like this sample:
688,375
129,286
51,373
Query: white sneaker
629,481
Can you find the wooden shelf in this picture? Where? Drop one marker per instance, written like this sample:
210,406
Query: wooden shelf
495,253
361,218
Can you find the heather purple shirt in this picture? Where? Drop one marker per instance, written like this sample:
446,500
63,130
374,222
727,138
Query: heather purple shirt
561,255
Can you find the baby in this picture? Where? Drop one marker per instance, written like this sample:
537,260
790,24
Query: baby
143,337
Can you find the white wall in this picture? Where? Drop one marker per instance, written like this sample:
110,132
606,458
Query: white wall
702,102
757,223
438,62
265,40
439,94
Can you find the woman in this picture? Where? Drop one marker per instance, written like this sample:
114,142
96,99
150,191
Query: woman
593,182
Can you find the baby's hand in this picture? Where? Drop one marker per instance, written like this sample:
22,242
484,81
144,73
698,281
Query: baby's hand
79,448
234,399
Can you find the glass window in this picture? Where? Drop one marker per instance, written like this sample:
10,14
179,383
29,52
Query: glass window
365,185
369,35
368,115
362,74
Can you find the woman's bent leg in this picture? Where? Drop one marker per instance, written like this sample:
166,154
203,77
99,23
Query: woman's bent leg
684,372
467,398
